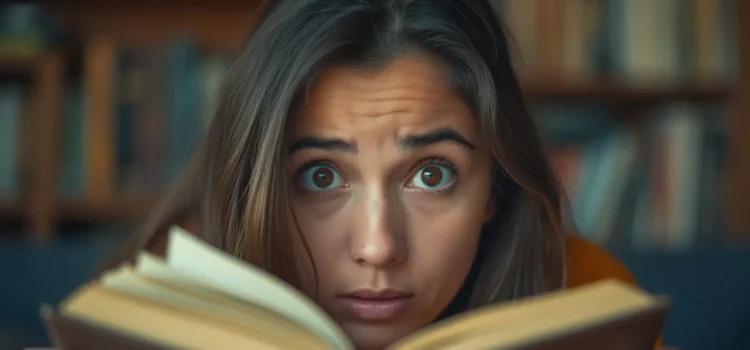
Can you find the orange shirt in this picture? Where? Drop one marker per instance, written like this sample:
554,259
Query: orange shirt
588,263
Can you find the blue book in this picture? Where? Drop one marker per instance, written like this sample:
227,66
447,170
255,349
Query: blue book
183,103
11,100
72,165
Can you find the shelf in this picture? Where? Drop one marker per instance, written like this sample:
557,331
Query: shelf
124,209
16,67
10,209
614,92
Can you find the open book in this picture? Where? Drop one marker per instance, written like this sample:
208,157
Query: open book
201,298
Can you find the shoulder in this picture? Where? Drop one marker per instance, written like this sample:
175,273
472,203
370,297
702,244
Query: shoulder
588,263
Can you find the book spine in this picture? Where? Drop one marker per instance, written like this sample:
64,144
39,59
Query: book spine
11,96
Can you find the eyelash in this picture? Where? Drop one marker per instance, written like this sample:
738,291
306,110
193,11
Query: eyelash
317,162
438,161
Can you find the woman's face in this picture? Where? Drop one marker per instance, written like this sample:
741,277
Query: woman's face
392,185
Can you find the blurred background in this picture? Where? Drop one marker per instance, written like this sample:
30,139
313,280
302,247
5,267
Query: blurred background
643,105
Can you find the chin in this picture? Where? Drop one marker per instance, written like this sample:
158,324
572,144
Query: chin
374,337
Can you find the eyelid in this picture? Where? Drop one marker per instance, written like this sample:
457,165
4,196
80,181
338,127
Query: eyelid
437,161
317,162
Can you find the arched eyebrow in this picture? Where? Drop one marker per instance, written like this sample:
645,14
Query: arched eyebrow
328,144
406,143
411,142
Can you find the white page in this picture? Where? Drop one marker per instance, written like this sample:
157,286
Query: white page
189,255
154,267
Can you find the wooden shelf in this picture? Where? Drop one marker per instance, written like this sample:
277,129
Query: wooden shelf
17,67
10,209
621,93
123,209
220,26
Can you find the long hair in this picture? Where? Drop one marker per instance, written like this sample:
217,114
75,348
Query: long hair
236,186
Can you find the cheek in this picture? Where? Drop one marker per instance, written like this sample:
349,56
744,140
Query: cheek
445,238
443,248
321,243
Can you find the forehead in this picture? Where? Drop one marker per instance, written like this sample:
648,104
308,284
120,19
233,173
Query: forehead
411,92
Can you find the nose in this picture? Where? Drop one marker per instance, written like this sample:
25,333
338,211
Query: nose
379,240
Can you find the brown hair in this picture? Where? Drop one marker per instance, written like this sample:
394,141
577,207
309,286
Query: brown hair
236,185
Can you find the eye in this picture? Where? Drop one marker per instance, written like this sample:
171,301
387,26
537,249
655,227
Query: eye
320,178
433,177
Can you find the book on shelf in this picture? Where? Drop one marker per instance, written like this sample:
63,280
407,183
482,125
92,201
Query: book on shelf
652,184
140,112
638,42
198,297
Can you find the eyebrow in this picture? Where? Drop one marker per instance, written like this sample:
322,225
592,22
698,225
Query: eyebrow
440,135
409,142
328,144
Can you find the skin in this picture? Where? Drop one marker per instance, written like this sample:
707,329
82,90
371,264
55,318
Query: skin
380,213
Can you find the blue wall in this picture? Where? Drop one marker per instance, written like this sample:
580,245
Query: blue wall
710,289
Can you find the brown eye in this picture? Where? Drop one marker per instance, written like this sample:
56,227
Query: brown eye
320,178
431,176
323,177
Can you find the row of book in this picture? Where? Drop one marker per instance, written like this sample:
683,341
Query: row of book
24,33
135,117
655,184
638,41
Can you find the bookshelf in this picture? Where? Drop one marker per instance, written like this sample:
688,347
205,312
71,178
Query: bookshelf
221,28
739,142
17,67
622,94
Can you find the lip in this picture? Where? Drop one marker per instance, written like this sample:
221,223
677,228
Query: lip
374,305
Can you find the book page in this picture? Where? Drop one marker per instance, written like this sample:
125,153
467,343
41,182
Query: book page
547,314
190,255
202,301
152,325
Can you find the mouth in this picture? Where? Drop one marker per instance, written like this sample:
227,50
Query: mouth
374,305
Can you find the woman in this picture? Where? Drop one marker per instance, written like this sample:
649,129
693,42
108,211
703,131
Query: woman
378,155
